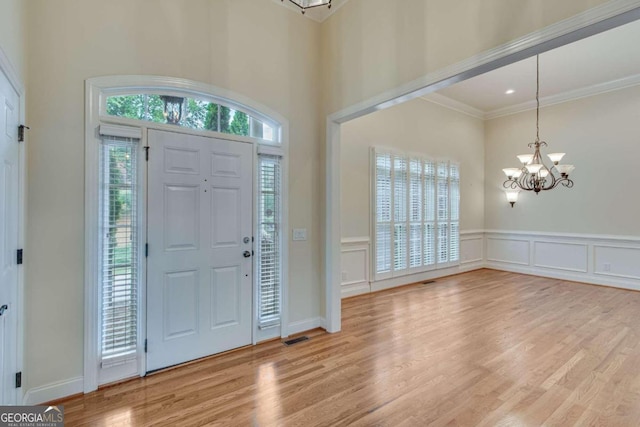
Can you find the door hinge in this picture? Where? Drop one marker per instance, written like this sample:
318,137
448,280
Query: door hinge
145,346
21,129
146,153
146,250
18,379
19,257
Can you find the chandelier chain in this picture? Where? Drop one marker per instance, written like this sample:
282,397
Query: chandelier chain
537,97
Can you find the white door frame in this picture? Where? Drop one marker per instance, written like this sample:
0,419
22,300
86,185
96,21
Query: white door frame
95,91
9,71
593,21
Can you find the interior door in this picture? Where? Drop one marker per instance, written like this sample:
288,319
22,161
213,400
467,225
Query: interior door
199,266
9,221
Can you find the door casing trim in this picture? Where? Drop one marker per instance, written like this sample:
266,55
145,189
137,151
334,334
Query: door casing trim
95,90
7,68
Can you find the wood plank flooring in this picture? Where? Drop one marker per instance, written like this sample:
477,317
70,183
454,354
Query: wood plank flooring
485,348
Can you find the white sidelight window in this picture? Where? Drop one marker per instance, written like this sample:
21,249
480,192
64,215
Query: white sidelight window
269,243
416,213
119,271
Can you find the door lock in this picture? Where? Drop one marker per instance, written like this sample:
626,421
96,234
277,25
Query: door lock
246,240
246,254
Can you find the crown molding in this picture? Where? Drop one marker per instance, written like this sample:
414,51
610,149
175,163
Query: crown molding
547,101
452,104
570,95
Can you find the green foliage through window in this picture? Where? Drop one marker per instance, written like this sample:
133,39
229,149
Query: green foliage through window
196,114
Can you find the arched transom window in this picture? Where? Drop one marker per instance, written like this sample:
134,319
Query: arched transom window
194,113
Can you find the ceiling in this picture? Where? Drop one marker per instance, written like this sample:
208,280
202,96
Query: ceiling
603,62
319,13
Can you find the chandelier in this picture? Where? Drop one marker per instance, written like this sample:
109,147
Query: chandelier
308,4
534,175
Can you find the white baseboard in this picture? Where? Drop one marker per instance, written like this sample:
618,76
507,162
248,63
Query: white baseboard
65,388
562,275
54,391
427,275
596,259
355,289
306,325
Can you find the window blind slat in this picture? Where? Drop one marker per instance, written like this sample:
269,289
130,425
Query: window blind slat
119,243
269,247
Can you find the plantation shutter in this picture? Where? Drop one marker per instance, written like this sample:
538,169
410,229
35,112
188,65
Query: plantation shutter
383,212
454,213
429,213
400,212
269,240
417,214
443,212
119,272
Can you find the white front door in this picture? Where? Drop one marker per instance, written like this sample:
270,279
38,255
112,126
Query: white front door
199,267
9,221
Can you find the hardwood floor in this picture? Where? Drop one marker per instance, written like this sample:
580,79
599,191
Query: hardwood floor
485,348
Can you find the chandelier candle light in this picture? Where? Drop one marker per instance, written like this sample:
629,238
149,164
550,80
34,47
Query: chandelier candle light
308,4
534,175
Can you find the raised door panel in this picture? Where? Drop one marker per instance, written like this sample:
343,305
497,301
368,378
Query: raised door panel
226,217
180,304
225,296
181,217
181,161
226,165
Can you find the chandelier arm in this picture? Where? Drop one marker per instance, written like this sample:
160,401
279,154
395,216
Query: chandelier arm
566,182
510,183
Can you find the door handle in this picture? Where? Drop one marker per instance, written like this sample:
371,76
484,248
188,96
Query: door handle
246,254
3,309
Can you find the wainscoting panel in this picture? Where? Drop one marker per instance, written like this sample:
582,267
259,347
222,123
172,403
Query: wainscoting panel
471,247
561,256
617,261
595,259
508,250
354,259
356,265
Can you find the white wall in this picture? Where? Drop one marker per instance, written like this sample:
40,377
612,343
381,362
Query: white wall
590,233
255,48
417,126
13,41
600,136
371,46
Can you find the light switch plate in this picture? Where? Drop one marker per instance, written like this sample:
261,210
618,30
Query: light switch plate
299,234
